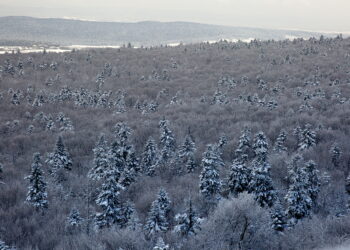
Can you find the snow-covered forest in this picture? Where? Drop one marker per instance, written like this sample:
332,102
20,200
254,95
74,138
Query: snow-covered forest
203,146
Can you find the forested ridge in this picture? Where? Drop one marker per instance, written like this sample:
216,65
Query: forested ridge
18,30
202,146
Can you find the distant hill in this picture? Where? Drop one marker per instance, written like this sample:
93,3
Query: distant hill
68,32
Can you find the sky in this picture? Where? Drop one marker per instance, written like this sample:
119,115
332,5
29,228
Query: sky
313,15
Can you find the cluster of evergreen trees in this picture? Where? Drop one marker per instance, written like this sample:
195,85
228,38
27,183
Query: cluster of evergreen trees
116,166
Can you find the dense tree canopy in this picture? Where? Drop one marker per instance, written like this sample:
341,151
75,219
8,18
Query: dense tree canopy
117,125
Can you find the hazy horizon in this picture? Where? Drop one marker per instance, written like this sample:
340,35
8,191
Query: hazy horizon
310,15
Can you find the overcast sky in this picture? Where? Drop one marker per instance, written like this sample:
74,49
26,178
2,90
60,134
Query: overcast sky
318,15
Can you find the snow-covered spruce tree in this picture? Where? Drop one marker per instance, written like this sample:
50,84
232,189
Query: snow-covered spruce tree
186,153
160,245
218,148
117,160
260,147
103,99
122,133
307,138
314,183
74,219
219,98
164,200
132,161
278,217
296,162
109,202
298,197
149,157
132,168
50,124
152,106
335,152
279,146
261,184
243,149
103,163
59,158
121,146
188,223
156,221
239,178
167,142
210,183
37,195
66,124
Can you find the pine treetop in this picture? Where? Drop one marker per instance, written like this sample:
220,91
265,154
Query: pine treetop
163,200
260,146
242,151
261,184
37,195
212,157
60,158
74,218
102,163
239,177
109,200
188,147
300,191
210,183
160,245
313,183
280,141
156,220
